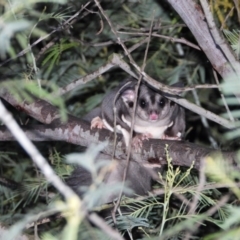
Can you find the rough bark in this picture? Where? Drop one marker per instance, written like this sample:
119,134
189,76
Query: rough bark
77,131
217,50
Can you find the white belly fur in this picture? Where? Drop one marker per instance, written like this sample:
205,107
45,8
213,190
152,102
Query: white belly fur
125,133
107,125
155,131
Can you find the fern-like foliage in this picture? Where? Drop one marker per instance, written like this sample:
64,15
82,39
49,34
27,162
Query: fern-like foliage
46,45
233,38
54,53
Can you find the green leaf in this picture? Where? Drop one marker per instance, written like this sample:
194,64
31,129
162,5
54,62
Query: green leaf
233,37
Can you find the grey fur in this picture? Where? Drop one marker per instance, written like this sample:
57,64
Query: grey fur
168,118
139,180
92,114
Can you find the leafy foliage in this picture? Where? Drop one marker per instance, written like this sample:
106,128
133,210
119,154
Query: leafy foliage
44,46
233,38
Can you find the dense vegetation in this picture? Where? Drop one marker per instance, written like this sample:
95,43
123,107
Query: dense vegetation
46,48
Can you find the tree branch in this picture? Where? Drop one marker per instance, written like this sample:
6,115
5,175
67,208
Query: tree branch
78,132
207,36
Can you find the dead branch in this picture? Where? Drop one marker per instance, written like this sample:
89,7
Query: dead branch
46,115
208,37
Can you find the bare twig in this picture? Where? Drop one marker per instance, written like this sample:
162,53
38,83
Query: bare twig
162,87
117,61
203,119
155,28
114,61
223,98
102,44
226,18
132,124
172,39
156,84
181,101
35,109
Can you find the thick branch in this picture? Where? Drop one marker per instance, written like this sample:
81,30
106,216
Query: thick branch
39,109
77,131
218,54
